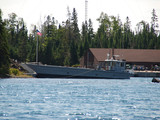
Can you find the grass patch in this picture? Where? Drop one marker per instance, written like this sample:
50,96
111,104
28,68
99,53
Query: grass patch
18,74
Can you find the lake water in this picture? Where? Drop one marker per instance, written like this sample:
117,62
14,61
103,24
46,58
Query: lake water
79,99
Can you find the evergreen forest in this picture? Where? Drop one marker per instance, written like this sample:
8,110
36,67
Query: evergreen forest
65,43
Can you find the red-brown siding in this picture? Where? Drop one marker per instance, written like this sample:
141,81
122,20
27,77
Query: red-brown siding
132,56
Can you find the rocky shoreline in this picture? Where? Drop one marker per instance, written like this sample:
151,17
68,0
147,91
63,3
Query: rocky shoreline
16,71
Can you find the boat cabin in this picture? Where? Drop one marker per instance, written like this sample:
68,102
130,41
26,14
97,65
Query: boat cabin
112,64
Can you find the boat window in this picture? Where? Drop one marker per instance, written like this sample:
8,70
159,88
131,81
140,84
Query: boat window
122,64
118,64
107,63
113,63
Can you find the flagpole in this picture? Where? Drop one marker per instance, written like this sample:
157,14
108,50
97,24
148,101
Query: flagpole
38,34
37,51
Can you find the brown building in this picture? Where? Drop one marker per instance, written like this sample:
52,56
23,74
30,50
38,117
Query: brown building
140,57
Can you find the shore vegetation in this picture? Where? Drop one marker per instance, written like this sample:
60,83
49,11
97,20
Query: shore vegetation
65,43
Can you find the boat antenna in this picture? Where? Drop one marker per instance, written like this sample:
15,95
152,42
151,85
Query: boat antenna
86,10
113,54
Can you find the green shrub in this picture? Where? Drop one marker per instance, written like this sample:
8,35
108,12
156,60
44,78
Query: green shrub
76,65
14,71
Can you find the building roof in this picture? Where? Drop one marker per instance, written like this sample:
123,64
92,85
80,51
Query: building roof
130,55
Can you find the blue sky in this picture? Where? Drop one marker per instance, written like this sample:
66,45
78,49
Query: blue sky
35,11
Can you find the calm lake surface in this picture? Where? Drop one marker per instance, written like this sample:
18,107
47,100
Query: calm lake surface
79,99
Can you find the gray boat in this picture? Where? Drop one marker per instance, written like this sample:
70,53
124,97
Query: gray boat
109,69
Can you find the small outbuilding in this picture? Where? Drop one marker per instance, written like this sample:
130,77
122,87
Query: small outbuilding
146,58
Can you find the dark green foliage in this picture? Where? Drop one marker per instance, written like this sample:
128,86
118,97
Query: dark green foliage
65,44
17,38
4,54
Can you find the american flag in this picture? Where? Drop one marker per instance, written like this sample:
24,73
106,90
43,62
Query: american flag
39,33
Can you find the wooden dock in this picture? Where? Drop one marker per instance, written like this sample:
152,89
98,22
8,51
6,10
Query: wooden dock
146,73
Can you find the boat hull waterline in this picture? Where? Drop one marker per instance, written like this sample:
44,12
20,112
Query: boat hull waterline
49,71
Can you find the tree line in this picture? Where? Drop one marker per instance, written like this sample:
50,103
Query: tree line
65,44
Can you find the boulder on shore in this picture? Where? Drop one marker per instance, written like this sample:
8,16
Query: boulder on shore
155,80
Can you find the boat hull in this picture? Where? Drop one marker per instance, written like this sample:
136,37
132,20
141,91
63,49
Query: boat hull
48,71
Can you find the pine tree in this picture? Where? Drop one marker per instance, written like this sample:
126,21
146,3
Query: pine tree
154,21
76,34
127,33
104,31
85,36
75,38
23,43
4,54
154,31
90,34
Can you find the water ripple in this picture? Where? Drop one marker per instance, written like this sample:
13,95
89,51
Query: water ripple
79,99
